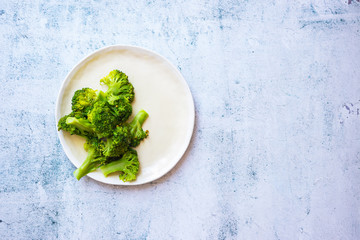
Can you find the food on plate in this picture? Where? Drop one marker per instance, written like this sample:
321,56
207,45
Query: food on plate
102,118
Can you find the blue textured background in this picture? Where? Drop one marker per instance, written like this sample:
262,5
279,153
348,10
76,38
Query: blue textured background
276,147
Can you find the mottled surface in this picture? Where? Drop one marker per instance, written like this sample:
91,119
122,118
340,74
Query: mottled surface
276,147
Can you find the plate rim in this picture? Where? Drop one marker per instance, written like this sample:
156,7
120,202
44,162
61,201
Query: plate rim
190,131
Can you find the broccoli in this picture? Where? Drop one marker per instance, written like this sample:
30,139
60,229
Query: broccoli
105,117
100,121
128,166
76,122
122,110
101,127
62,125
119,87
101,118
137,133
125,136
82,101
118,144
93,160
82,125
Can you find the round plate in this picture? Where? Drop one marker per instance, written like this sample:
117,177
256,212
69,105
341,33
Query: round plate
160,90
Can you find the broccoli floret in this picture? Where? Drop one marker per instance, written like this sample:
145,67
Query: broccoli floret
93,160
118,144
137,133
100,121
101,116
103,119
128,166
82,125
119,87
125,136
82,101
62,125
122,110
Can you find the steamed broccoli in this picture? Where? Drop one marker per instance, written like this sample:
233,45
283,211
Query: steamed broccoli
105,117
93,160
119,87
101,118
62,125
82,101
125,136
128,166
82,125
118,144
122,110
137,133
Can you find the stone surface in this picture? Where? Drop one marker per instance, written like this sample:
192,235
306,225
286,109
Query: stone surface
275,152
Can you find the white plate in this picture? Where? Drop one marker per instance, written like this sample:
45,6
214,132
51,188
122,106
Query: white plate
160,90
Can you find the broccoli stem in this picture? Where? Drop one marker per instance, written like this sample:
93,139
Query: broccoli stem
140,118
91,163
136,131
81,124
101,96
116,166
127,166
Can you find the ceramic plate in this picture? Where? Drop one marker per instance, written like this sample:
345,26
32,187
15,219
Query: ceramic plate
160,90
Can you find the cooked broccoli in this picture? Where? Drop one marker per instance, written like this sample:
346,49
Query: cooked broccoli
82,101
125,136
118,144
105,117
93,160
119,87
83,126
75,122
122,110
62,125
128,166
101,118
100,121
137,133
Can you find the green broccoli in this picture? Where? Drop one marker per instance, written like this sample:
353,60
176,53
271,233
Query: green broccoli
125,136
128,166
100,121
62,125
82,101
76,125
101,118
118,144
122,110
119,87
137,133
93,160
105,117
